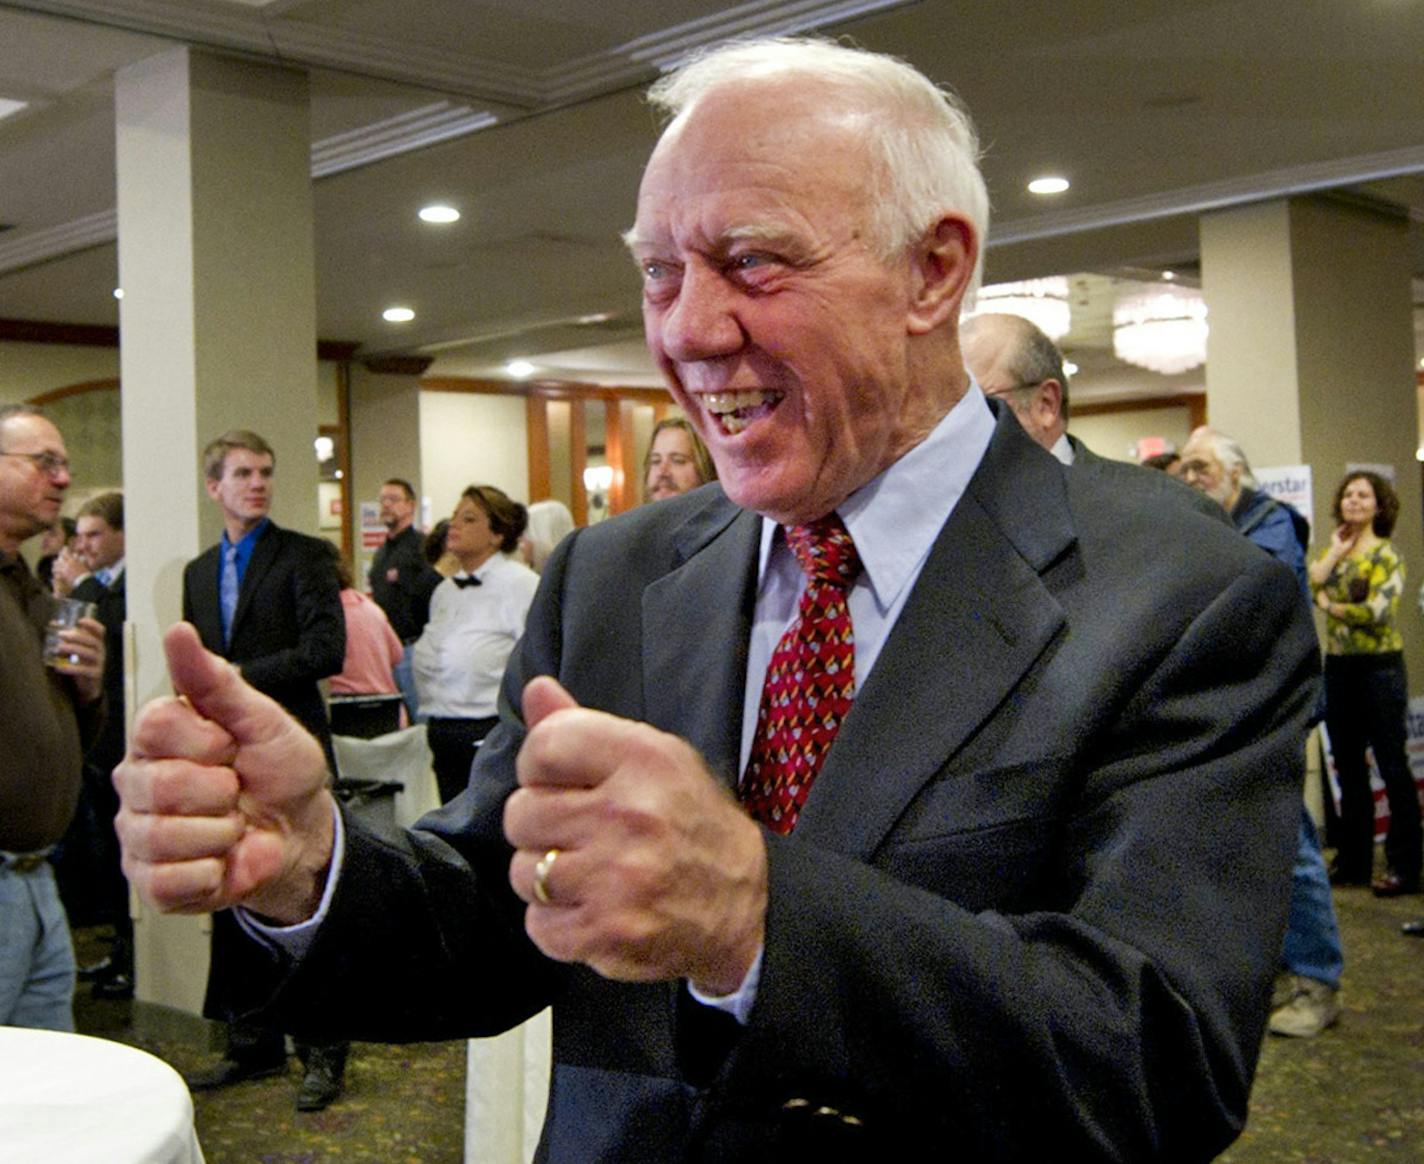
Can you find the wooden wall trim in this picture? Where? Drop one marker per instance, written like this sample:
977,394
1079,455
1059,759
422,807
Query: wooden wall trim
536,435
578,455
1193,401
549,389
69,390
100,335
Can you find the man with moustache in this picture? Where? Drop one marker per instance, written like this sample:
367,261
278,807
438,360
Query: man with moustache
49,717
971,745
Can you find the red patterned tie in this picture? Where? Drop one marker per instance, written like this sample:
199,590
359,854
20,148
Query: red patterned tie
810,681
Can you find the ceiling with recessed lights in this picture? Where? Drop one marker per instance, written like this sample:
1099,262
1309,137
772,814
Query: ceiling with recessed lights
527,120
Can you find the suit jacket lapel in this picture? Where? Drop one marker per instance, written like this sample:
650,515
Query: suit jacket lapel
694,676
978,619
263,555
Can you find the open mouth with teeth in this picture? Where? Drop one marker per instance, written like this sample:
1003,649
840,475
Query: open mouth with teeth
734,411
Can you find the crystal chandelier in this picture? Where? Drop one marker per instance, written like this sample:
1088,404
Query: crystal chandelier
1162,329
1043,302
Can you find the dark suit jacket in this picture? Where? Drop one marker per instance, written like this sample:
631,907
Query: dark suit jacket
111,608
1034,903
1139,480
288,630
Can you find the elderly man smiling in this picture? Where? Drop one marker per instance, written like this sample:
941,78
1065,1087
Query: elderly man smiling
897,791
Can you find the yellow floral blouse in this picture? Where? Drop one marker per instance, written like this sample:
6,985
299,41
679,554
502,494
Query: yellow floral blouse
1367,587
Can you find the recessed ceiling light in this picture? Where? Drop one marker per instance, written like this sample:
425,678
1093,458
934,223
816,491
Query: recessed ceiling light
118,292
519,369
1169,275
1070,368
439,213
7,106
1048,185
397,315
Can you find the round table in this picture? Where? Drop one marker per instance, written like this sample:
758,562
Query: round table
71,1098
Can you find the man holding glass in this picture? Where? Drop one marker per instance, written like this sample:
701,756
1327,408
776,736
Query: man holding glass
51,712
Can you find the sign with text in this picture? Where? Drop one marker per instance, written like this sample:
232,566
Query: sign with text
1291,484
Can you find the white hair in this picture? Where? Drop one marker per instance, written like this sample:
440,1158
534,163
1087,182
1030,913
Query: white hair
924,149
549,523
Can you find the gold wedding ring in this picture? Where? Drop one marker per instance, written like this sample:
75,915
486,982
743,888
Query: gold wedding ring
542,868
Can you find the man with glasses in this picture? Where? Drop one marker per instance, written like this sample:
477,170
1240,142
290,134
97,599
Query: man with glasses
49,716
1015,362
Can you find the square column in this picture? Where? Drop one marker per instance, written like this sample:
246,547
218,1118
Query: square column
218,330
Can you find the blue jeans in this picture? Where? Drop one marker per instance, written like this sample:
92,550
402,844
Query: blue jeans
1312,945
36,955
405,680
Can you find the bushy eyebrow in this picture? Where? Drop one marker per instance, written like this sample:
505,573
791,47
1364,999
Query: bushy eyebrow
770,234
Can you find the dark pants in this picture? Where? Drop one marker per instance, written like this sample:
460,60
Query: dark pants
1366,696
453,743
263,1046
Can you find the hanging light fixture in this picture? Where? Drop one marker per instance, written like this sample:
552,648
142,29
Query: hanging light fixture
1162,329
1043,302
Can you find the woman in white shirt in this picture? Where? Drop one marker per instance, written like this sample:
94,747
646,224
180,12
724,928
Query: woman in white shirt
476,617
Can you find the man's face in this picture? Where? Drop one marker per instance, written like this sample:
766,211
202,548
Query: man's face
100,544
781,335
244,491
30,494
1201,469
397,509
672,465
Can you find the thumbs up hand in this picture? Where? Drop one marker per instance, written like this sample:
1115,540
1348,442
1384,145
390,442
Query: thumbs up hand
223,796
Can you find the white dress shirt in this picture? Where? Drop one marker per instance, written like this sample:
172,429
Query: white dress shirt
460,656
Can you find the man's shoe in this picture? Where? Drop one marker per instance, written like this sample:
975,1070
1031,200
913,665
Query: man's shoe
1414,929
117,987
1283,990
1393,885
319,1089
1315,1006
96,970
232,1071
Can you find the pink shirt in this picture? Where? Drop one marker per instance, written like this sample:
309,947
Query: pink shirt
372,649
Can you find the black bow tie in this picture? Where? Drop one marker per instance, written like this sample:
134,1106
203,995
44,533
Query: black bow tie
463,582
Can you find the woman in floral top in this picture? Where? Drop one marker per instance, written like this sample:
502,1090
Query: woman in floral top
1357,582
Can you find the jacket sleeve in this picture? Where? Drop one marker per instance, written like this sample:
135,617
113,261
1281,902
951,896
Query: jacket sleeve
320,647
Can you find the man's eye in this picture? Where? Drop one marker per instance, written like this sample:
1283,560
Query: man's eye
654,270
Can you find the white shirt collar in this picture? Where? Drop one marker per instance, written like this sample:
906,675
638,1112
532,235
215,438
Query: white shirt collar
896,517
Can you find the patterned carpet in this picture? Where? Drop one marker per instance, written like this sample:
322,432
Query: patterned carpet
1355,1094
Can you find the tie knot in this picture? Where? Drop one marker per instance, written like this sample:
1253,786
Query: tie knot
825,550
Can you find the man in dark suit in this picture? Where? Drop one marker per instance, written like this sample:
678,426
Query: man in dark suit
1016,362
99,538
1012,918
268,600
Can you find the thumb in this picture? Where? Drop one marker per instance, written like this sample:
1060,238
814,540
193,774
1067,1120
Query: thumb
216,690
543,696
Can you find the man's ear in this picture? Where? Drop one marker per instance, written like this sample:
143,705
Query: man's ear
211,486
1049,398
944,262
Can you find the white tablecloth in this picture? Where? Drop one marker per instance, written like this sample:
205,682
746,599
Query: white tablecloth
70,1099
506,1092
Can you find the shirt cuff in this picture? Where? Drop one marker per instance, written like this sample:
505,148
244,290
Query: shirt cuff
296,940
738,1004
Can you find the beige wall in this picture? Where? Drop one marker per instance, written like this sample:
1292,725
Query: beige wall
469,438
1113,434
29,370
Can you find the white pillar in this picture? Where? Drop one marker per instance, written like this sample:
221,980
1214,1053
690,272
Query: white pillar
218,328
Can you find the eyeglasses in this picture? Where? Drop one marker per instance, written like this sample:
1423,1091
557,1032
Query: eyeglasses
1015,389
50,464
